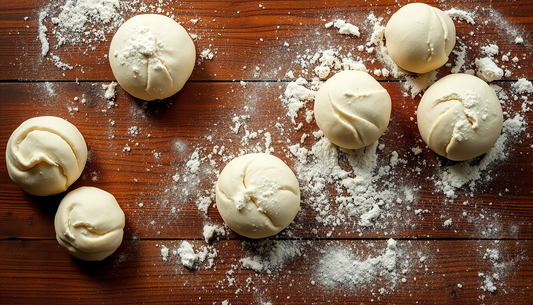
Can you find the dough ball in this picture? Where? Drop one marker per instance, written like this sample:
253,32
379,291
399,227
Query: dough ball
352,109
420,37
460,117
152,56
45,155
89,223
257,195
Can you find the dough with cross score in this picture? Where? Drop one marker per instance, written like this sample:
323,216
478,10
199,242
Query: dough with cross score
89,223
352,109
257,195
460,117
45,155
152,56
419,37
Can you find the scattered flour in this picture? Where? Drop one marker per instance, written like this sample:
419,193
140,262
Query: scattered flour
206,54
189,258
164,253
523,86
110,92
268,254
187,254
210,231
339,267
488,70
454,177
344,27
355,190
461,15
45,46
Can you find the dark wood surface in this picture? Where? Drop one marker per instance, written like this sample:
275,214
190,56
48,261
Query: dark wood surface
34,269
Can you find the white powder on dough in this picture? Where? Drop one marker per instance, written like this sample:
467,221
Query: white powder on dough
143,46
340,268
488,70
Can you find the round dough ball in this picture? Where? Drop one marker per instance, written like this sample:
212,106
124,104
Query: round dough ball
257,195
152,56
420,37
352,109
45,155
89,223
460,117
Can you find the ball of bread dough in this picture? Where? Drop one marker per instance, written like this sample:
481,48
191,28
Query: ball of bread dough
152,56
352,109
45,155
420,37
460,117
89,223
257,195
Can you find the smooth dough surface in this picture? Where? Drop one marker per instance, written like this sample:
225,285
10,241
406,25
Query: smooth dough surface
460,117
257,195
45,155
420,37
352,109
89,223
152,56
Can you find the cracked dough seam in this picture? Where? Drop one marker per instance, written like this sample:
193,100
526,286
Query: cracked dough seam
343,117
40,160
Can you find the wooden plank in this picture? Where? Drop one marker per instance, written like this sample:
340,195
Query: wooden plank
253,42
425,271
200,118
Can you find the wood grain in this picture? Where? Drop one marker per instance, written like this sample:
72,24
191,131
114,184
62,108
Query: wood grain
137,148
244,34
138,274
138,176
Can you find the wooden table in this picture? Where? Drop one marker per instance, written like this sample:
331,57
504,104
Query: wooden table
258,43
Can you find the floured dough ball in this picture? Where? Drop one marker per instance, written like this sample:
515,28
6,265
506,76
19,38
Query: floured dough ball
352,109
257,195
460,117
152,56
45,155
89,223
420,37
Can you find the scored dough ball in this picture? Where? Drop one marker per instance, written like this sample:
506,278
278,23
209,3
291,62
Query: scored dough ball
420,37
257,195
352,109
152,56
45,155
89,223
460,117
